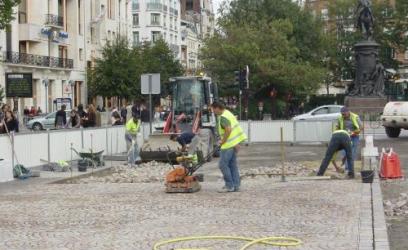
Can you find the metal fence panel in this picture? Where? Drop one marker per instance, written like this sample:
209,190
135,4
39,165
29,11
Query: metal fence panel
60,144
313,131
30,148
269,131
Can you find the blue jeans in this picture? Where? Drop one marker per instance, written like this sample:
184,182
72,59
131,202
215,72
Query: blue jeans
229,168
355,142
133,153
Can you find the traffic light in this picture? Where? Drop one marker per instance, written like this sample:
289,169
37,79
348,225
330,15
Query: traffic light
243,81
237,78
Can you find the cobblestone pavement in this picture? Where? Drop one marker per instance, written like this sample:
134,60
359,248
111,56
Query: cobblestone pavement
323,214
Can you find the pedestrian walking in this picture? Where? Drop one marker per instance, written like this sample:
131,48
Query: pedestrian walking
61,118
9,123
351,123
340,140
231,135
90,119
132,129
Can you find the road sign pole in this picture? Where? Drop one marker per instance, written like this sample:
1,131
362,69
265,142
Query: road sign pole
150,103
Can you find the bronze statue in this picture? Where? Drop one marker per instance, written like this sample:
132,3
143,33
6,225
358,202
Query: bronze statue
365,19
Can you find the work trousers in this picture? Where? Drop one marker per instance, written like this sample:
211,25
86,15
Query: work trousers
355,142
229,168
339,141
132,148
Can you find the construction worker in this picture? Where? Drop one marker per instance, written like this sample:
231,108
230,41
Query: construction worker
183,139
352,124
132,128
231,135
340,140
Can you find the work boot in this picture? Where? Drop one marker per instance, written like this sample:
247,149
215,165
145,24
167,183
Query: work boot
236,189
350,175
226,190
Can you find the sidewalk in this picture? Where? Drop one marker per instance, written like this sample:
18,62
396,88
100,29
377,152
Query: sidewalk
325,214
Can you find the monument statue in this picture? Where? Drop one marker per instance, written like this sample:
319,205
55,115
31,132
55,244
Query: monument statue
370,74
365,19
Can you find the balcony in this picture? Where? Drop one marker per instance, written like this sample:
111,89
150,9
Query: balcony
54,20
36,60
154,6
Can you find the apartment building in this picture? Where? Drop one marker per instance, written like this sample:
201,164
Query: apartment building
55,41
156,19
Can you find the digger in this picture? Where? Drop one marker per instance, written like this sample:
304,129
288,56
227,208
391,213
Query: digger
190,112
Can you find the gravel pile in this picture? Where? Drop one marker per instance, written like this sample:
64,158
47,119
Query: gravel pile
398,207
291,169
144,173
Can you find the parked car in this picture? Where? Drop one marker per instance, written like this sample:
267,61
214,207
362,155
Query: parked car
395,118
44,122
325,113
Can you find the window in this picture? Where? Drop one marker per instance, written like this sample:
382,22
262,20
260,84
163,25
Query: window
81,54
79,18
93,35
164,20
135,5
406,54
111,9
325,14
109,36
135,38
155,36
333,110
321,111
113,35
155,19
171,38
175,39
135,19
171,22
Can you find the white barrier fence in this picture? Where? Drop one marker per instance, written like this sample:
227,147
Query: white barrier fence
34,149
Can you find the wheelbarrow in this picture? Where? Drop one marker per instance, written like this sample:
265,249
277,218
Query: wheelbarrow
95,158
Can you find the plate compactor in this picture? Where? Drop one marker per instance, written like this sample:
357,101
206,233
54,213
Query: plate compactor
182,178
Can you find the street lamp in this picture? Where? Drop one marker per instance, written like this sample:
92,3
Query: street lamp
46,83
72,84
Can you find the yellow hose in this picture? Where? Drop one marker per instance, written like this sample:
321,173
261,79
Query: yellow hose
271,241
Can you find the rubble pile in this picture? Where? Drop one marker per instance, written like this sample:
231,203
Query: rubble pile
291,169
144,173
397,207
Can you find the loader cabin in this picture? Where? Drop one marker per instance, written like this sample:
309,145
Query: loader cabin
191,99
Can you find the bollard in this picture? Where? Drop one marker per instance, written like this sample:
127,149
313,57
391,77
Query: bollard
283,178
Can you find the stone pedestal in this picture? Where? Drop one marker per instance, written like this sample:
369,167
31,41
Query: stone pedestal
365,105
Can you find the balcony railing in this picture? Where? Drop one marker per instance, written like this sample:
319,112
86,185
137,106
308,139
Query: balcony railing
36,60
54,20
22,17
154,6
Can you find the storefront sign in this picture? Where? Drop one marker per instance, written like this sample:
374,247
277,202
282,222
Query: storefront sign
19,85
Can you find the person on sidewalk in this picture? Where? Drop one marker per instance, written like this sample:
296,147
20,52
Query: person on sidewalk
340,140
231,135
132,128
183,139
350,122
61,118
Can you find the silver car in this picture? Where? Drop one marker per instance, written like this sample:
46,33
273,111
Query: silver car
44,122
322,113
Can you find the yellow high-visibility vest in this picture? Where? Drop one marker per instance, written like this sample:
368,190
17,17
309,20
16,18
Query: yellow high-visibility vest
341,131
132,127
354,120
237,134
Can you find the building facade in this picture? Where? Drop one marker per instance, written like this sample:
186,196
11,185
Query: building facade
55,41
156,19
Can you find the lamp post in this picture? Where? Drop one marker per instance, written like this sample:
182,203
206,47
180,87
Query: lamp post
46,83
72,84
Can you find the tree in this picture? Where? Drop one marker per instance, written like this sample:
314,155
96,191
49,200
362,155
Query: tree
117,72
6,12
390,30
282,44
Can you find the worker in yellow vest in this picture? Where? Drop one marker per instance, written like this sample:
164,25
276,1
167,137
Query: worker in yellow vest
231,135
340,140
132,129
351,123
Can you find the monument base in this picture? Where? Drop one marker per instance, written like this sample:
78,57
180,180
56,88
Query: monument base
365,105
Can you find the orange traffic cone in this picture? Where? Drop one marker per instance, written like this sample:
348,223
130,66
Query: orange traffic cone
390,165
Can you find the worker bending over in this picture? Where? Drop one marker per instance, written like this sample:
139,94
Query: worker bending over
340,140
231,135
132,128
351,123
183,139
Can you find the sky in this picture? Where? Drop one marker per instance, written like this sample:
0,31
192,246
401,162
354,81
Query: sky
216,5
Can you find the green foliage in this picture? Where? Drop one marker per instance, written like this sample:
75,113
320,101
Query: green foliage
390,27
118,72
6,12
282,44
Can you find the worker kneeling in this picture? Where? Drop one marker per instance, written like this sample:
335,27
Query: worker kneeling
340,140
231,136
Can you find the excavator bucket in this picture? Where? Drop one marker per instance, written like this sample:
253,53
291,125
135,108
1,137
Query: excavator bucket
159,147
